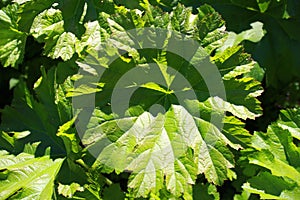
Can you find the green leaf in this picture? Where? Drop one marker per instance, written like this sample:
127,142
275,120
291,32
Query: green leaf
254,35
12,41
270,184
183,20
205,192
242,96
277,167
47,27
277,152
27,177
291,194
65,46
91,38
40,113
284,195
84,89
290,120
9,140
28,10
279,139
263,5
234,130
160,146
33,149
69,190
244,196
209,21
73,163
241,93
101,126
67,133
72,12
165,150
113,192
261,193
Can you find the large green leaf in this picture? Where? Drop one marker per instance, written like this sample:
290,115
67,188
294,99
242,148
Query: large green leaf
175,145
26,177
72,12
167,148
234,65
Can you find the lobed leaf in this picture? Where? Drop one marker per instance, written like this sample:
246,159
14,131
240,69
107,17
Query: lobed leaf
24,176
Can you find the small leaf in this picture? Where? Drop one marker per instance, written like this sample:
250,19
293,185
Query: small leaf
263,5
65,46
69,190
254,35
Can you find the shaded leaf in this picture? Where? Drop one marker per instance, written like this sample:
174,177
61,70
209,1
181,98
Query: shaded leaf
41,113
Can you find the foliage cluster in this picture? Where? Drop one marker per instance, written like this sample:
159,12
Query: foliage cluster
176,154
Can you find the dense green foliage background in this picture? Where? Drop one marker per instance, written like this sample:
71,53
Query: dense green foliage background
281,21
256,154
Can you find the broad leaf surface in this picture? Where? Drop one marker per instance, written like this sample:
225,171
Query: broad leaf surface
26,177
170,148
160,146
277,152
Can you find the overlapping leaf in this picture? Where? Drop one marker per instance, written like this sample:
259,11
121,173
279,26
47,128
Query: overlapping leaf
277,152
163,153
12,41
42,113
24,176
61,37
241,93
